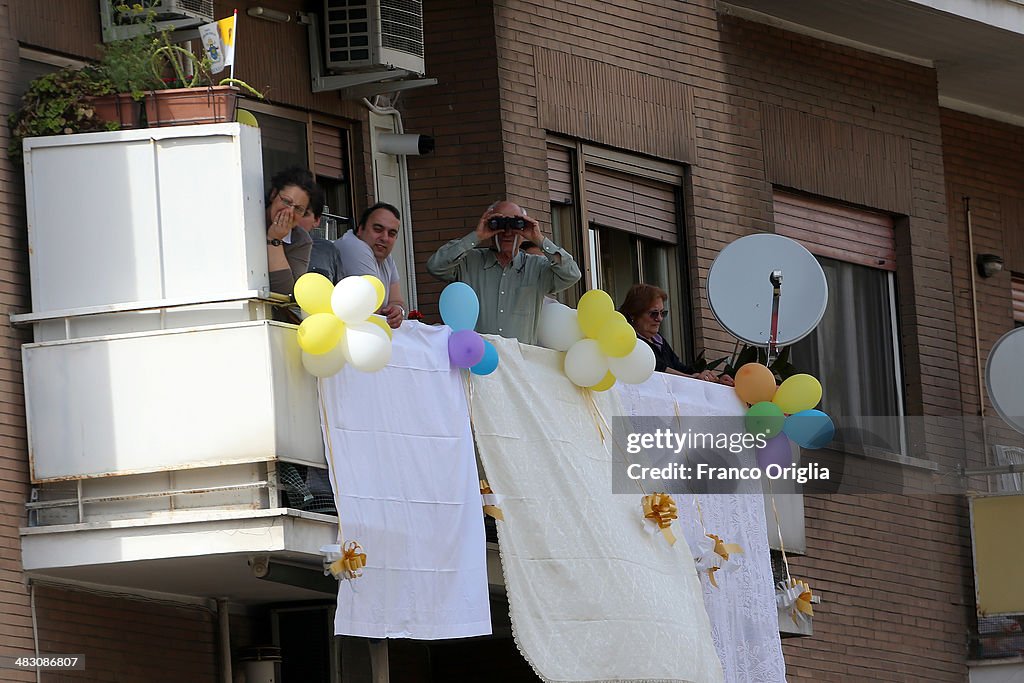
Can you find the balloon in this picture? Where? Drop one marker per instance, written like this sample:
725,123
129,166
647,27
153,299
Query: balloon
313,293
246,118
366,346
489,362
459,306
776,452
764,418
379,287
635,368
755,383
353,299
605,384
465,348
326,364
593,308
381,322
617,337
585,365
557,328
810,428
799,392
320,332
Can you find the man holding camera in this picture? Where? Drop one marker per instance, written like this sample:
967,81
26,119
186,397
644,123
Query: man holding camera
510,284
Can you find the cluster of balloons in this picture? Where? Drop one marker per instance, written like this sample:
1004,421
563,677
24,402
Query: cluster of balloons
460,308
601,346
782,413
341,327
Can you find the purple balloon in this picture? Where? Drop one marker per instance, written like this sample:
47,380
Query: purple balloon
465,348
775,452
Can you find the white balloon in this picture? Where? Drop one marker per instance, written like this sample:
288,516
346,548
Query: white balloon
585,365
366,346
353,299
324,364
558,328
635,368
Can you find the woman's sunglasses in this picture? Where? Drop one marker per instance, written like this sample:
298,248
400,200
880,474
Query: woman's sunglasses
658,315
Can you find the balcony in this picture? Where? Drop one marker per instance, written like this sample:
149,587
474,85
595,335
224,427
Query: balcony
967,41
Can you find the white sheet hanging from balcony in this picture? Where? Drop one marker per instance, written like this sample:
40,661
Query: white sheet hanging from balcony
592,596
744,619
409,494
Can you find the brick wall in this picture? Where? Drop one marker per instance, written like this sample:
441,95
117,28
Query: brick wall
15,617
127,639
452,187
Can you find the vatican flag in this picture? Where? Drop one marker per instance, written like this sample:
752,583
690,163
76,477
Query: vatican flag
219,43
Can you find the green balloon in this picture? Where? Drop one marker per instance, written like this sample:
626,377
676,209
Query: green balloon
765,418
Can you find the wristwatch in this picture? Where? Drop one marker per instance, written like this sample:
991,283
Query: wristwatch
275,243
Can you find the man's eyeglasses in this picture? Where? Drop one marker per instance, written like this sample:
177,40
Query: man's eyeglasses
299,210
658,315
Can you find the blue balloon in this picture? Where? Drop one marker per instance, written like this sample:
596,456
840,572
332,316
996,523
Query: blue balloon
489,362
809,428
460,306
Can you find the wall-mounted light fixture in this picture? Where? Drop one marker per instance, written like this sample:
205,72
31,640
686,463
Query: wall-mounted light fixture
988,264
269,14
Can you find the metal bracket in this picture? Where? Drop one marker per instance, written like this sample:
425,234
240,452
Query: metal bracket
355,85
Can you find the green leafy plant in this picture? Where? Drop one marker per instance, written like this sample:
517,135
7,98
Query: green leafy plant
780,366
59,103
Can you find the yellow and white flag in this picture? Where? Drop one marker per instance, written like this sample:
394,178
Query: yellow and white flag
219,43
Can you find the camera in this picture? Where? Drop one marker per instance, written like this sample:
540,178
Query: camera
506,223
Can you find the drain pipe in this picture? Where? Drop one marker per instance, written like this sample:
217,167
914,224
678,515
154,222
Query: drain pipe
224,638
35,625
977,340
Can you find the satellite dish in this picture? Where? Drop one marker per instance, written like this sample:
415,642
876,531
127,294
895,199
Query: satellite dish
1004,378
740,289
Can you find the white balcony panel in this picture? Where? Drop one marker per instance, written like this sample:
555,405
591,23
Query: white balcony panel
192,554
145,215
193,397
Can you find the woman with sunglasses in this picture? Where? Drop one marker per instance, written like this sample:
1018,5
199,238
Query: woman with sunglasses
645,309
288,245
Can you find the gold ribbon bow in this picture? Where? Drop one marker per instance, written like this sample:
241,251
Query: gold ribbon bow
489,509
796,597
351,563
661,509
723,550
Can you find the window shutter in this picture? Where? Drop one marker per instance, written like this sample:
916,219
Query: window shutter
1017,285
837,231
560,177
635,205
328,151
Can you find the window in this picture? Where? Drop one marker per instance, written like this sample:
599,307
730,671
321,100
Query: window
854,351
292,138
632,218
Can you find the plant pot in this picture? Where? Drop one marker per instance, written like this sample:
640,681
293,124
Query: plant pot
119,108
188,106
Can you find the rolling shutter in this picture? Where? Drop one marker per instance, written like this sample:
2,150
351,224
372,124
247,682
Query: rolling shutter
1017,285
560,175
328,151
837,231
635,205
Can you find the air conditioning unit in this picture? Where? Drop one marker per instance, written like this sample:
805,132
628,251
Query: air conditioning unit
124,20
364,35
1010,455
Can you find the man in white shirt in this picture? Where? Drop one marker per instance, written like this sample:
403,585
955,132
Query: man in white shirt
367,251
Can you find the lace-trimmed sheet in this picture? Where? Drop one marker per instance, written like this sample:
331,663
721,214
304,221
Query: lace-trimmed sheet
744,619
592,595
409,494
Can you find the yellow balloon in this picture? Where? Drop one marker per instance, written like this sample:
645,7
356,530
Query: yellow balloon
381,292
246,118
381,322
313,293
320,332
755,383
617,338
799,392
594,308
605,384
